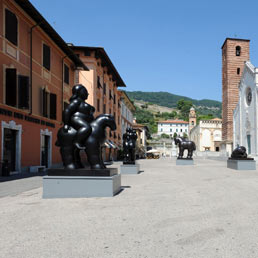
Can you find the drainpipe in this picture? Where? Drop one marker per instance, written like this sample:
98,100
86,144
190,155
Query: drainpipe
31,29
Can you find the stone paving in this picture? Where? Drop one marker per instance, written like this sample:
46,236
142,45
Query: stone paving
200,211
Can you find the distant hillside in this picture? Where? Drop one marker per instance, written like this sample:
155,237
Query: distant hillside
167,99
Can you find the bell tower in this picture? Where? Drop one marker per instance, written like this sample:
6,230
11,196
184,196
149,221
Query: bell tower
192,119
235,52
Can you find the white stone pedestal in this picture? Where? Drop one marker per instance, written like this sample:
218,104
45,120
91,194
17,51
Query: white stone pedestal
184,162
130,169
81,186
241,164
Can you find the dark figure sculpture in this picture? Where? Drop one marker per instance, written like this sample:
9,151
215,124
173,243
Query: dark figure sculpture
185,144
129,144
81,131
78,115
239,153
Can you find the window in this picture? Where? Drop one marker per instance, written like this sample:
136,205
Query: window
98,82
98,105
176,130
104,108
238,70
66,74
10,90
185,130
23,92
11,27
48,104
192,122
16,89
46,56
104,88
181,130
110,95
86,52
238,50
110,111
161,129
114,99
170,130
115,115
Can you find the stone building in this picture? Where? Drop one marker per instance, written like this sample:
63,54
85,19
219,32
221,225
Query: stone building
234,54
245,114
127,111
170,127
207,135
102,82
36,76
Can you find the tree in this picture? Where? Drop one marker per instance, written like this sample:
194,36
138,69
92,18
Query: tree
175,135
184,107
166,136
185,135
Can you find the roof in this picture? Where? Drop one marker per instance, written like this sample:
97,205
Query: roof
48,29
247,40
173,122
101,53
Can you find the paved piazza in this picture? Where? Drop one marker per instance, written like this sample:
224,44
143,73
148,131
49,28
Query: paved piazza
200,211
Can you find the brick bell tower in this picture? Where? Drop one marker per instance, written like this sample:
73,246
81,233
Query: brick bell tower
235,52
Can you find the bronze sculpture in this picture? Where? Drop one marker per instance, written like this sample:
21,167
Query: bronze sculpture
129,145
184,144
82,131
239,153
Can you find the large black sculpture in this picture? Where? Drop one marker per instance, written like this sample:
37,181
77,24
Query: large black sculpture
129,145
184,144
239,153
81,131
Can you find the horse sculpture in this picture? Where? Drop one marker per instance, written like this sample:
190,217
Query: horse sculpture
184,144
71,154
129,139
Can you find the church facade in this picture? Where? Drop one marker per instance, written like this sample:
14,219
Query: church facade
245,122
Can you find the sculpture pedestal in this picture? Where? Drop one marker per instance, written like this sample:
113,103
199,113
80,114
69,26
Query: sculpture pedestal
241,164
184,162
129,169
81,186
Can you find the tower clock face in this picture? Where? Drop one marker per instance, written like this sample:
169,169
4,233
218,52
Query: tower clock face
248,96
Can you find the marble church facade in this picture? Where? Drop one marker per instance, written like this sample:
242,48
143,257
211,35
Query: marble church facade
245,122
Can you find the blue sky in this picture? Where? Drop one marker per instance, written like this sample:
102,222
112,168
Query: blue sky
161,45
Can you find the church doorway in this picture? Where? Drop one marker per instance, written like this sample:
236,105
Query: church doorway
249,143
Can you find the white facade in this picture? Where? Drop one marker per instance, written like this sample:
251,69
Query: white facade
245,118
126,117
207,135
170,127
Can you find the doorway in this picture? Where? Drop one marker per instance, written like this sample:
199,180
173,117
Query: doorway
9,147
249,143
45,143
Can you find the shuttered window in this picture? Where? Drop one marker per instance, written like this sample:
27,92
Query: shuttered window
66,74
10,87
46,56
23,92
11,27
52,106
45,103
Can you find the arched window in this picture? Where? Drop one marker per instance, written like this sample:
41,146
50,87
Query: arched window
238,50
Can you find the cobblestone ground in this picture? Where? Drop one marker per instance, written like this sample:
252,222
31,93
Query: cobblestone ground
200,211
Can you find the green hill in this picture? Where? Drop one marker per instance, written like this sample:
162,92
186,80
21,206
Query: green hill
167,99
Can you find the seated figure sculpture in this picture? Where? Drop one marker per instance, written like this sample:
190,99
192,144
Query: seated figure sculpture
129,145
184,144
82,131
239,153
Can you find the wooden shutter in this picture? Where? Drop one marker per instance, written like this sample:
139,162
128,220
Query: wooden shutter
46,56
11,27
44,103
10,87
66,74
52,106
23,91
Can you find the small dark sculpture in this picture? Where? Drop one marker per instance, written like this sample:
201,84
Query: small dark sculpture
129,144
185,144
239,153
81,131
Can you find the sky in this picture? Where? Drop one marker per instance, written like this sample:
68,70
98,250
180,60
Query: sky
159,45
